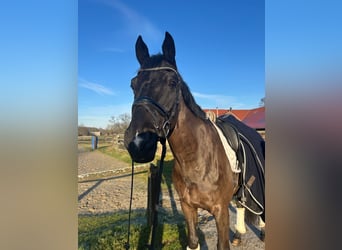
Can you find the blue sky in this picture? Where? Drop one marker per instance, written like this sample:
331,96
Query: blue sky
219,52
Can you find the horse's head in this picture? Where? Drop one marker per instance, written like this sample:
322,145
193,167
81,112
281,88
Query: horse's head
156,96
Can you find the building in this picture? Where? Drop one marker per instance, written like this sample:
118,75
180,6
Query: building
254,118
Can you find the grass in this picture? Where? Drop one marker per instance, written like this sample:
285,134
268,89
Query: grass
123,155
119,154
109,231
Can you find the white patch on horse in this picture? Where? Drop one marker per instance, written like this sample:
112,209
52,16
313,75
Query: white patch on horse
240,220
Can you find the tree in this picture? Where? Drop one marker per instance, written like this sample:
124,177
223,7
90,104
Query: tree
262,102
118,124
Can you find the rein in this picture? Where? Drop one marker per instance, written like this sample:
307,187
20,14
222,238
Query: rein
158,189
127,245
167,116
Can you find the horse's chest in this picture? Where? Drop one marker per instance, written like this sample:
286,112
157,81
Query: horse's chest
197,189
199,195
199,183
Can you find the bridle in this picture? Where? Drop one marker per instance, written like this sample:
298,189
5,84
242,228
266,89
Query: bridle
151,105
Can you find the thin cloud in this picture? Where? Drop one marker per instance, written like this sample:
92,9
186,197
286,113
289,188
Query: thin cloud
97,88
99,116
134,21
113,49
221,101
217,100
108,110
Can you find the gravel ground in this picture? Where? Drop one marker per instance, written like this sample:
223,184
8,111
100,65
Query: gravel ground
109,194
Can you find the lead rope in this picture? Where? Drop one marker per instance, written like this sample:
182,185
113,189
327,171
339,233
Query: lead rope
155,219
127,246
159,177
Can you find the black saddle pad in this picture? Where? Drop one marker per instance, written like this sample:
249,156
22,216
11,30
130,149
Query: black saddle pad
254,150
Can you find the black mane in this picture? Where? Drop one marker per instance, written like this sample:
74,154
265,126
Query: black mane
190,102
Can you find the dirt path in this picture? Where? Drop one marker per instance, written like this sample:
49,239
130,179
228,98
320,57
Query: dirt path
112,193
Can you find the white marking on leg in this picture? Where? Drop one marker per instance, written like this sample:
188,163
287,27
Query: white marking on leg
240,220
261,223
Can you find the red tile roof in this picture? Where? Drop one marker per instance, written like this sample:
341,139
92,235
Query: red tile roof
239,113
255,118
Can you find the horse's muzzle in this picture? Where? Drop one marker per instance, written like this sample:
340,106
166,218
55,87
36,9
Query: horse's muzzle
143,147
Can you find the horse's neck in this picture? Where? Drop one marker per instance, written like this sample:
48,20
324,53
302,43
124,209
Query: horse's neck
188,133
197,150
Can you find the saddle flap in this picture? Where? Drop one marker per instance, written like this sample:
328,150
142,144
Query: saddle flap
230,132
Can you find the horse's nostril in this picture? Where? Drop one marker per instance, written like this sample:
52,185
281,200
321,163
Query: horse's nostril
143,147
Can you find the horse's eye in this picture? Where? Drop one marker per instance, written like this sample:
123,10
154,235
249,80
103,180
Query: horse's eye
133,83
173,83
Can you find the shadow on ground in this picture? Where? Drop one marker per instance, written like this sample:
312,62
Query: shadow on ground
110,230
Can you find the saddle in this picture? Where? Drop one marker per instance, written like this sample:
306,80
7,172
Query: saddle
232,136
230,132
246,143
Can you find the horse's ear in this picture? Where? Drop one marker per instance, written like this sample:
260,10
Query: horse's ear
169,48
141,51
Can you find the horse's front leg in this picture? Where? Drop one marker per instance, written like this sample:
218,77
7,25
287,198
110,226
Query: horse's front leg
221,215
190,214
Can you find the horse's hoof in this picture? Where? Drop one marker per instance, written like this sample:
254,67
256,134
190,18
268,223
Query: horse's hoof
198,248
236,242
236,239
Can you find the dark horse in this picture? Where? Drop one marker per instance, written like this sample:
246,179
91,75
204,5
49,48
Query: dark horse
164,109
